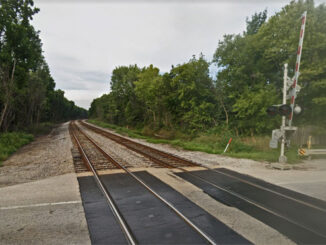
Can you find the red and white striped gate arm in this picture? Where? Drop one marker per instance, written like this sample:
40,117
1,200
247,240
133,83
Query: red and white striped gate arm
297,65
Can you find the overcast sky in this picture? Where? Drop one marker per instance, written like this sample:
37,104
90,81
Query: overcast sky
83,41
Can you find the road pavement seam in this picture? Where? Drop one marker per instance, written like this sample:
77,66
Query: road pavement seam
40,205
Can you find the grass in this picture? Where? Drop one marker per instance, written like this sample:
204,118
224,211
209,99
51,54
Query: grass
256,148
11,142
120,130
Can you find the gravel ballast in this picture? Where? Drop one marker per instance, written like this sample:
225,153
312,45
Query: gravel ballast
47,156
118,152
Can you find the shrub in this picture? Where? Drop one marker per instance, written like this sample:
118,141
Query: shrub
11,142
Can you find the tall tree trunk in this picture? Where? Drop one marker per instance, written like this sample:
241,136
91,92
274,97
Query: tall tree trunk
225,111
38,116
10,116
237,132
8,95
3,113
167,124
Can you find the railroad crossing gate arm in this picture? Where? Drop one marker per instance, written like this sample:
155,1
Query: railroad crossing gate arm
309,152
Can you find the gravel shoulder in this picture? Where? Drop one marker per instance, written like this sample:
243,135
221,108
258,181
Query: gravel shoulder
45,157
40,201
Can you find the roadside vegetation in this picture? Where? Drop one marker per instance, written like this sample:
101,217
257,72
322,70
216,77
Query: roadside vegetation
189,107
11,142
27,91
214,142
29,101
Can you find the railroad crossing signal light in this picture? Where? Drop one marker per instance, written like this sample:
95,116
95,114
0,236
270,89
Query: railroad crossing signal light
272,111
283,110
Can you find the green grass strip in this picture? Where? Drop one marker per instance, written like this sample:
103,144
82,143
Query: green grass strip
11,142
214,144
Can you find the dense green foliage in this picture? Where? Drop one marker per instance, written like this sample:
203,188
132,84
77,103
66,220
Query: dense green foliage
213,141
10,142
183,98
27,94
252,73
249,79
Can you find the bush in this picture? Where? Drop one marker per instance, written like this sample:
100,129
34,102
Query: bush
11,142
41,128
217,139
213,141
147,131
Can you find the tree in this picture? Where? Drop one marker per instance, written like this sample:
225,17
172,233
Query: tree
192,102
250,78
148,90
20,50
127,108
27,93
256,22
255,60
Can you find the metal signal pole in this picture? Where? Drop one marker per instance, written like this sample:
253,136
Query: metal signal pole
282,157
293,91
284,110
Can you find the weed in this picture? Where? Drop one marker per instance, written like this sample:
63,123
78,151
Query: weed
11,142
214,141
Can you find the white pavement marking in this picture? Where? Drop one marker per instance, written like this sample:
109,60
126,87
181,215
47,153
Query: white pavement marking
40,205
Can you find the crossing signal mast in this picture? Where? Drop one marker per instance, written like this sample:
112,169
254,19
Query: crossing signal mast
287,111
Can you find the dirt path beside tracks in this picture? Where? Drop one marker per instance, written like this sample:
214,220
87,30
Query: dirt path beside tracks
45,157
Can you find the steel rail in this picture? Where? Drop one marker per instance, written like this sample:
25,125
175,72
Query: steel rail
199,165
124,227
269,190
123,140
247,199
227,191
183,217
253,203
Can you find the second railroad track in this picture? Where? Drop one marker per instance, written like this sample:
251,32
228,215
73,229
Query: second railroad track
300,217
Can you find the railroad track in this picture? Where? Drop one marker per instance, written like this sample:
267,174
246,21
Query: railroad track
301,218
162,158
95,158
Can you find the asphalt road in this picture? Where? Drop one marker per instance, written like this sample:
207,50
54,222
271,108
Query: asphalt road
47,211
301,222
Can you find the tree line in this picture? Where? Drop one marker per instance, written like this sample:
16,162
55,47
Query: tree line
249,79
27,90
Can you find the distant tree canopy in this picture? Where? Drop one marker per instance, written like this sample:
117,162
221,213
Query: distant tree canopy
183,98
27,94
249,80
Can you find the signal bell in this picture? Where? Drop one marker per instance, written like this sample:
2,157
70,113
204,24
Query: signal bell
283,110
